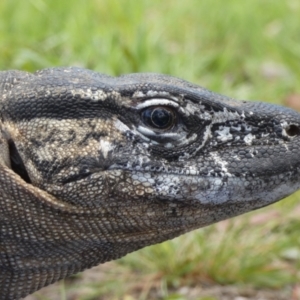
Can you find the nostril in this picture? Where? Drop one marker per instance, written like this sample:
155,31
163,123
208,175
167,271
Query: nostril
292,130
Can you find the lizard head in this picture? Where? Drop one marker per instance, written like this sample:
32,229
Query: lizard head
150,146
130,161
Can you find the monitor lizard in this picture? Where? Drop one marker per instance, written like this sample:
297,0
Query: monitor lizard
93,167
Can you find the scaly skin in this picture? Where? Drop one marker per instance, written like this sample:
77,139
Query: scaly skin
93,167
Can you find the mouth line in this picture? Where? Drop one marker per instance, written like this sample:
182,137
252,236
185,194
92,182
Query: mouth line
220,174
186,172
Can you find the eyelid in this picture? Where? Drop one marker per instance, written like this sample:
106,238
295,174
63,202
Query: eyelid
157,102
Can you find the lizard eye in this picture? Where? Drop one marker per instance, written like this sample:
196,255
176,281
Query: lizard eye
159,117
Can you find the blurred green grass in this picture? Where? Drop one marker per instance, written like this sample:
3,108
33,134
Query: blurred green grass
244,49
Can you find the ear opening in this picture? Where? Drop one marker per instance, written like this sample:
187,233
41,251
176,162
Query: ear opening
16,162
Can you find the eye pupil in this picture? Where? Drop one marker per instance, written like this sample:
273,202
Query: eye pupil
158,117
161,117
